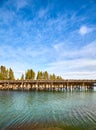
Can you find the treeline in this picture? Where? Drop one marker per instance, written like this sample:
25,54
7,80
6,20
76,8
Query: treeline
8,74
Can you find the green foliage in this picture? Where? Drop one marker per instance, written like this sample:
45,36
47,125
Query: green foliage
52,77
39,75
0,76
30,74
6,74
42,75
46,75
22,77
59,78
3,73
11,74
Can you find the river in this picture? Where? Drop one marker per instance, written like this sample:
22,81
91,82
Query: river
47,110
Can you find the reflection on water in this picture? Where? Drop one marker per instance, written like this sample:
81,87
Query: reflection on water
48,109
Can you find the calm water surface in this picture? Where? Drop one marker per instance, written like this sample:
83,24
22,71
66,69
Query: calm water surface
54,109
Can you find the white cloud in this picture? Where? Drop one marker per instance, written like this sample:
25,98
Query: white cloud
64,58
66,51
77,68
22,52
42,12
80,75
58,46
84,30
80,64
67,62
21,3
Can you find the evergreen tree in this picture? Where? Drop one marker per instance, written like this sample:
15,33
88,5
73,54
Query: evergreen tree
11,74
39,75
45,75
22,77
6,74
30,74
3,73
52,77
59,78
1,76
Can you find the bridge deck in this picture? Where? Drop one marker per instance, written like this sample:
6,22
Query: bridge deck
48,81
47,84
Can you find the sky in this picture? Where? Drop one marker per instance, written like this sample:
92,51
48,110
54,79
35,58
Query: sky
54,35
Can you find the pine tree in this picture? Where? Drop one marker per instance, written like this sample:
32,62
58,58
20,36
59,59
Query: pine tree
59,78
1,76
45,75
39,75
11,74
53,77
3,73
30,74
22,77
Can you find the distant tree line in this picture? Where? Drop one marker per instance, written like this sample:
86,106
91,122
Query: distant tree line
8,74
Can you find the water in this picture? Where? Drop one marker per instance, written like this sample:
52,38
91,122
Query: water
64,110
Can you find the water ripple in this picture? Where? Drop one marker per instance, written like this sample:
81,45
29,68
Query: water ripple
47,109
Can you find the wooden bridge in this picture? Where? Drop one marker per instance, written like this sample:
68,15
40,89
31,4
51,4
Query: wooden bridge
49,85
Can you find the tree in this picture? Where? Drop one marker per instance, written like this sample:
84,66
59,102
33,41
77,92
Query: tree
30,74
39,75
3,73
0,76
11,74
22,77
52,77
8,74
45,75
59,78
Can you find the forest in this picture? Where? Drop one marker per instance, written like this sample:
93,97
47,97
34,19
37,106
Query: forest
30,74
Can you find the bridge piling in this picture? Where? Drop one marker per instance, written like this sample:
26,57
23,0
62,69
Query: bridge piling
48,85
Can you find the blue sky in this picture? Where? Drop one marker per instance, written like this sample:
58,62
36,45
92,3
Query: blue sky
54,35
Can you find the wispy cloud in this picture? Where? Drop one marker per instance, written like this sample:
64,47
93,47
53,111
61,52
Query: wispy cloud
46,36
73,62
42,13
21,4
86,51
77,68
84,30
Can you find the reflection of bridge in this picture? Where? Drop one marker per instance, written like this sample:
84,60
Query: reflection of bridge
47,84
